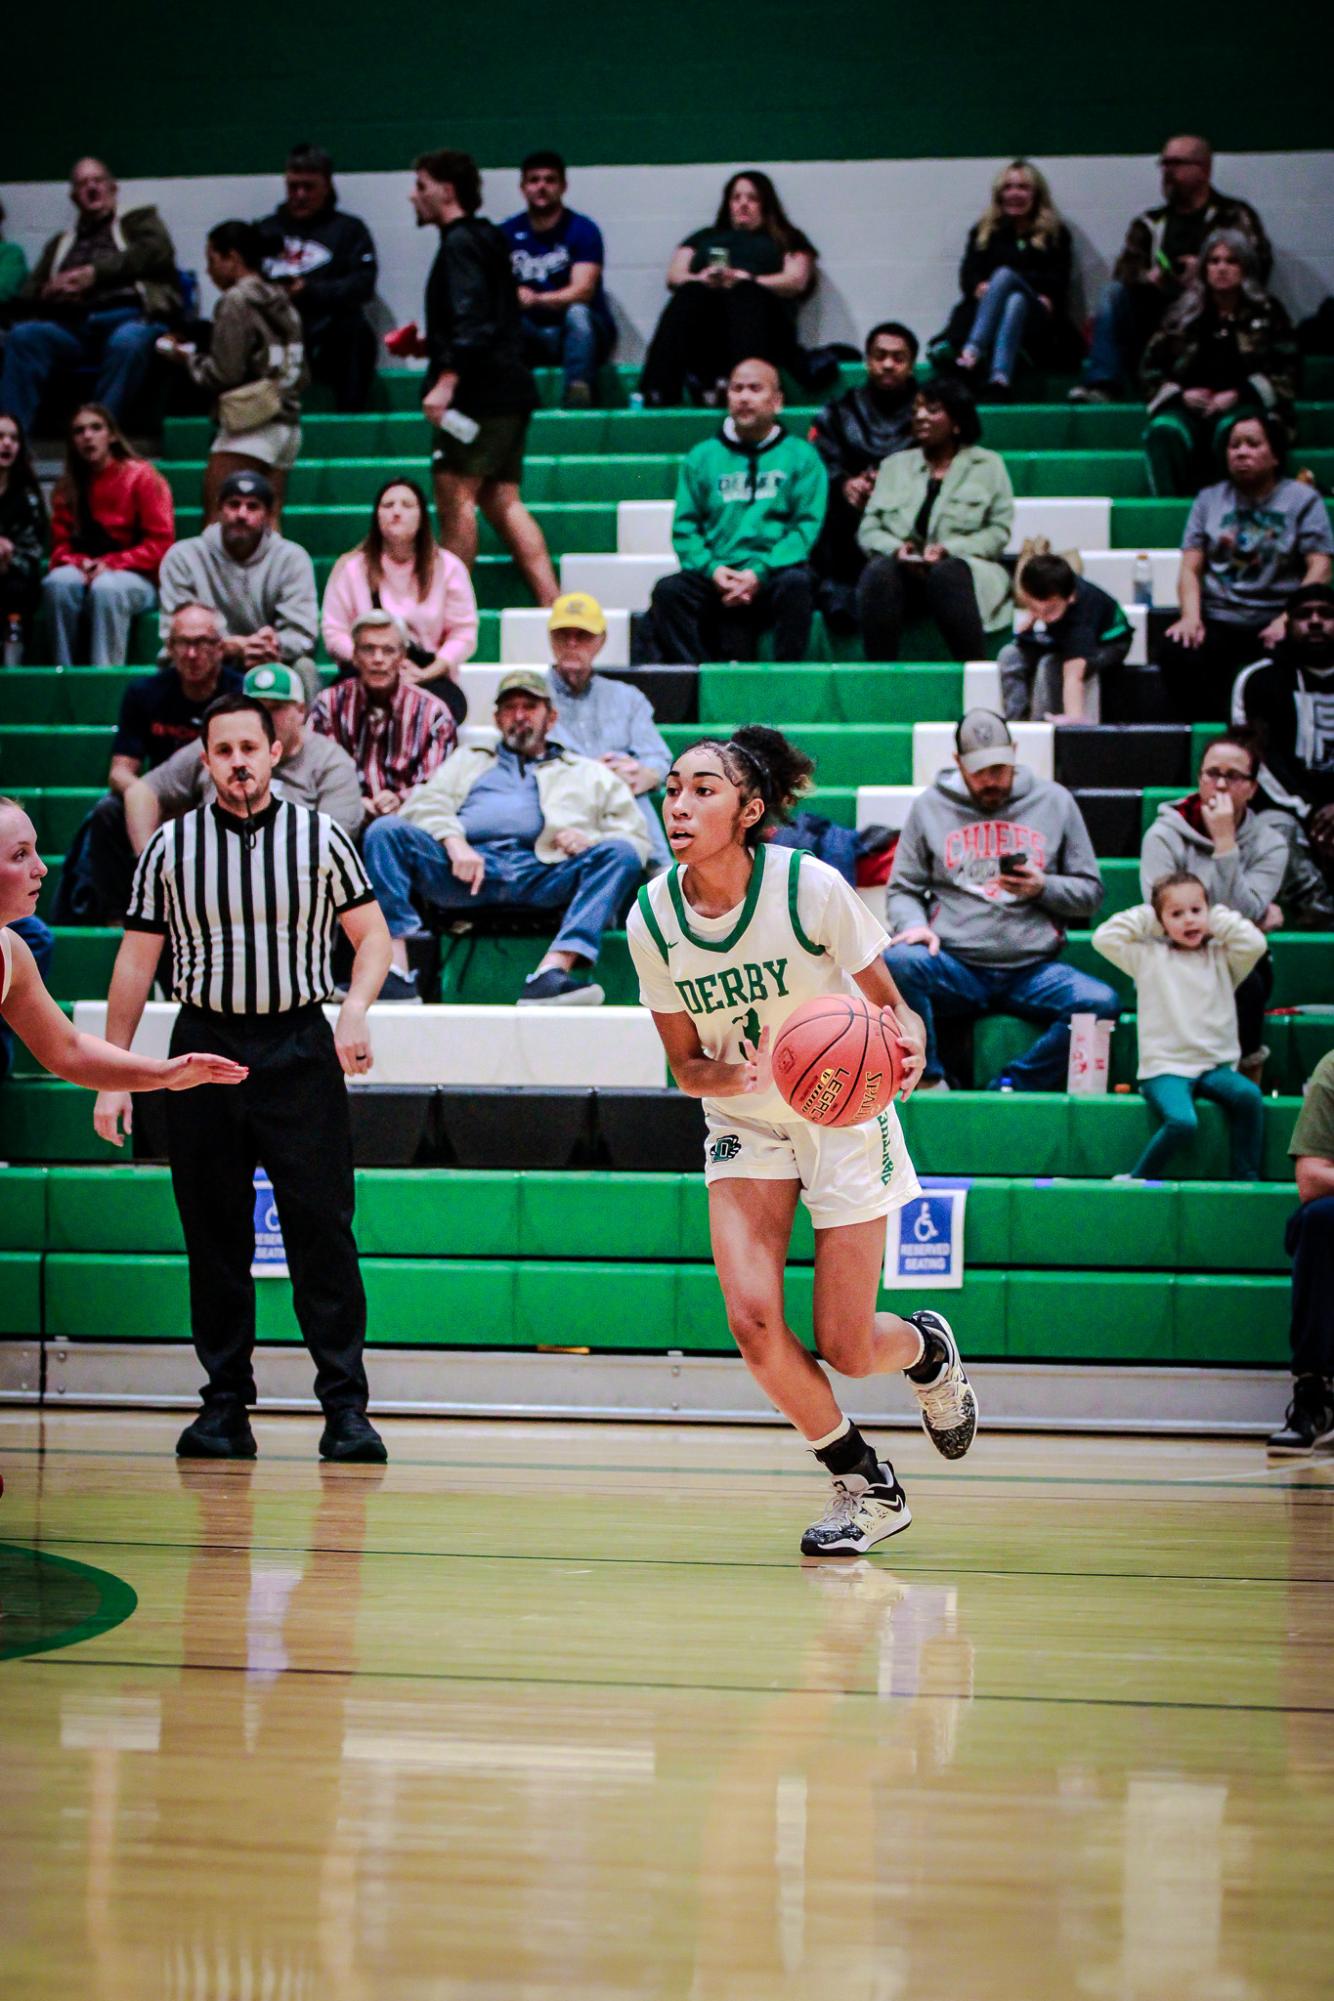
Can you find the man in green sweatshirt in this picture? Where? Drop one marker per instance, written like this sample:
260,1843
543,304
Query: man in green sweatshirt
749,506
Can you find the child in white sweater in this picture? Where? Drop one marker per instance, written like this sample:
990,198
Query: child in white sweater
1187,961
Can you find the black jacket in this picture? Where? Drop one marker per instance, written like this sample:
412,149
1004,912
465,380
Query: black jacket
24,521
473,326
1094,629
860,428
1293,710
334,256
1047,269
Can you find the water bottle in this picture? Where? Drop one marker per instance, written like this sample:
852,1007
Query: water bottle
460,425
636,399
1142,580
1006,1082
13,640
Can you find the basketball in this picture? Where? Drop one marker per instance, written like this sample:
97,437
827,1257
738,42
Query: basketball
834,1062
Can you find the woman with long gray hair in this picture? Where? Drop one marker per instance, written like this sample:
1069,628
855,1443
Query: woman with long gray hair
1226,349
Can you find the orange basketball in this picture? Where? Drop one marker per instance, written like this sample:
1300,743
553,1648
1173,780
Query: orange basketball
834,1062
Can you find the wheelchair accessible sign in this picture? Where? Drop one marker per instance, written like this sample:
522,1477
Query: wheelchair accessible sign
924,1242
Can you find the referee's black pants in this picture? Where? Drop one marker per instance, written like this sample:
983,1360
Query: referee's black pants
291,1114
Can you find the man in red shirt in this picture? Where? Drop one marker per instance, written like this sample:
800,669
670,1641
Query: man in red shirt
396,733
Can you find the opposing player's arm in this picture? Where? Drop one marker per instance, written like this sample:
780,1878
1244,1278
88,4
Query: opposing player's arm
877,984
701,1076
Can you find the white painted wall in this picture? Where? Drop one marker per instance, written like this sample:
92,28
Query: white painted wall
890,232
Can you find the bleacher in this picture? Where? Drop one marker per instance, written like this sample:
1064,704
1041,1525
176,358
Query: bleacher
525,1183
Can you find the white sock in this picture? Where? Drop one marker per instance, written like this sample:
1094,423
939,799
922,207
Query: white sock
921,1349
841,1430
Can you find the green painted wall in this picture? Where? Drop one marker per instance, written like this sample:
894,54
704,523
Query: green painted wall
163,88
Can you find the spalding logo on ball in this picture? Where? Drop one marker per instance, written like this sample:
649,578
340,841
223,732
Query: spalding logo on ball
835,1062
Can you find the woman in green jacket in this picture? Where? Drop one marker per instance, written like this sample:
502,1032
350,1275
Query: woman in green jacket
935,527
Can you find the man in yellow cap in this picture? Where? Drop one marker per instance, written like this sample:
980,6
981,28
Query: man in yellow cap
606,719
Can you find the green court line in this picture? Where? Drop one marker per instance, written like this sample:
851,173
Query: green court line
702,1687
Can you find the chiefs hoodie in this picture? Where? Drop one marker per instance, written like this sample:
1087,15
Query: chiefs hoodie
947,870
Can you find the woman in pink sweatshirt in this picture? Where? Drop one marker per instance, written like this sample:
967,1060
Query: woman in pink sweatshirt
400,568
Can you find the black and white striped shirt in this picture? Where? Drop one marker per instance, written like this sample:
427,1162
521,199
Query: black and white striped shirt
251,925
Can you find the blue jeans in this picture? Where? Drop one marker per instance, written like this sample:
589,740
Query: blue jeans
112,602
1173,1099
578,340
41,942
1002,319
1126,316
119,341
1049,991
591,889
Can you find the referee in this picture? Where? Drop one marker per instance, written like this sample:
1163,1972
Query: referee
248,890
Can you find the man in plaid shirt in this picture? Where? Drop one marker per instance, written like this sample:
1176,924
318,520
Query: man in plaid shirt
396,733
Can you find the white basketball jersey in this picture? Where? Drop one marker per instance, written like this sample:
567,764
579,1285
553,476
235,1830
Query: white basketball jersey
801,932
4,962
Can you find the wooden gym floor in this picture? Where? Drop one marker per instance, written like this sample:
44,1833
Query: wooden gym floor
543,1712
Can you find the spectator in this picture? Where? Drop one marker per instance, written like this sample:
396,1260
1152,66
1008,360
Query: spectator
401,568
1289,702
557,257
1239,857
1249,542
479,392
1225,350
1309,1242
526,823
255,368
991,868
609,720
101,295
749,504
935,527
325,262
396,733
1015,280
261,585
736,287
1068,637
112,522
854,434
25,533
13,264
313,772
158,714
1187,960
1159,257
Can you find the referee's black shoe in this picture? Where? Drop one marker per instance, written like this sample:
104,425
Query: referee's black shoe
350,1436
221,1431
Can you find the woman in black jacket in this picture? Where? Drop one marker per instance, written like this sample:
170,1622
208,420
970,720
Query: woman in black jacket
1015,280
25,533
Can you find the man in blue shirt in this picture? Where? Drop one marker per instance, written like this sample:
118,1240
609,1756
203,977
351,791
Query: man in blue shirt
610,720
557,259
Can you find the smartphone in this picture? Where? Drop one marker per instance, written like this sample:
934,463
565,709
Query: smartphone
718,257
1013,864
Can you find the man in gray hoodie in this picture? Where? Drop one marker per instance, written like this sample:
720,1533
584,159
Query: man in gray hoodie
261,585
992,865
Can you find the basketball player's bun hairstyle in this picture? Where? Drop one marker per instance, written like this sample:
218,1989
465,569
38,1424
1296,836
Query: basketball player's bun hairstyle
762,764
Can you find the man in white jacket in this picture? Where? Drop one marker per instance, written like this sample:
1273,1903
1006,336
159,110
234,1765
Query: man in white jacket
524,824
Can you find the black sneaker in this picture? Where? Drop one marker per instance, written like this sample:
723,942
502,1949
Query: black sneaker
861,1513
1309,1421
221,1431
400,987
556,988
349,1436
948,1400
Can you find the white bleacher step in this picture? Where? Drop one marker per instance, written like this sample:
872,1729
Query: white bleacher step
885,805
1113,570
546,1046
933,747
872,894
625,582
523,637
644,527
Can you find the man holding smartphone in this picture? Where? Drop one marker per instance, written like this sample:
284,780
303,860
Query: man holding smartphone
992,866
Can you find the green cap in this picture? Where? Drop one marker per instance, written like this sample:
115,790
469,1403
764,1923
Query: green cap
523,681
273,682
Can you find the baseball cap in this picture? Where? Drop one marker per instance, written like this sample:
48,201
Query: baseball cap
577,611
983,738
246,486
274,683
523,681
1311,594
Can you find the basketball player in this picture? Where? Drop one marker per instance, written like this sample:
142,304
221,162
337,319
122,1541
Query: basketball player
30,1011
726,947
